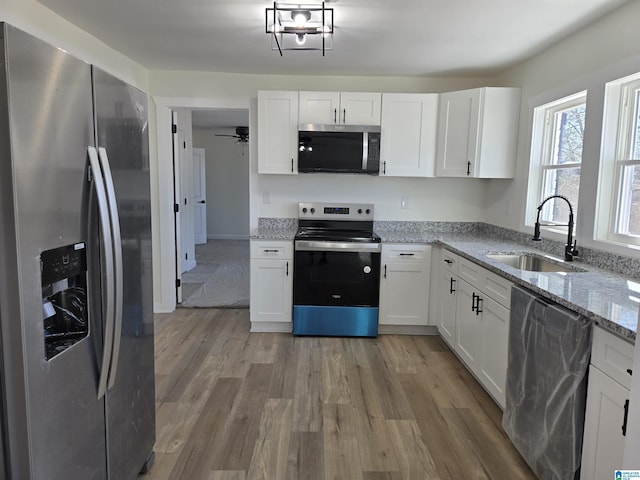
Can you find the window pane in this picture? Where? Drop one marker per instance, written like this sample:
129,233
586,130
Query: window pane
636,128
562,181
629,201
568,135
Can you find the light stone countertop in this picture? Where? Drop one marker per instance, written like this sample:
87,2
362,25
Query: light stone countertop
611,299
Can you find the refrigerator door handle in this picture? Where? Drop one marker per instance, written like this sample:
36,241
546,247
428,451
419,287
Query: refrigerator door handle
107,245
117,257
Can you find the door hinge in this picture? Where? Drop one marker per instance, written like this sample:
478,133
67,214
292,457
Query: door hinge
178,283
176,208
174,128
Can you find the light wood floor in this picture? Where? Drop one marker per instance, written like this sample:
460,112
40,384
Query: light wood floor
234,406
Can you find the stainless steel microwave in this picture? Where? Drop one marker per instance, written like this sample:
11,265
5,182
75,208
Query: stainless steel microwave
339,148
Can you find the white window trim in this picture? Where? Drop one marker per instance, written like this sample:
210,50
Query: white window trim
614,156
541,144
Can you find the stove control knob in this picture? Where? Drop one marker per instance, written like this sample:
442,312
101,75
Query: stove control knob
359,210
304,210
313,210
367,269
368,211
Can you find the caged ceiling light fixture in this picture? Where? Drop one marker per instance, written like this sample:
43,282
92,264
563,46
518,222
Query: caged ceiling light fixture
299,27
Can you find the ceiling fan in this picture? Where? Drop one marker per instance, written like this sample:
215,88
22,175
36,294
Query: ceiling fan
242,134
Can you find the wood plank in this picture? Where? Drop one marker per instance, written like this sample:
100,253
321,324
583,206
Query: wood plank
341,449
306,456
307,402
271,451
414,460
233,449
335,382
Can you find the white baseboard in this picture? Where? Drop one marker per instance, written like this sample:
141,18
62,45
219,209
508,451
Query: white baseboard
228,237
271,327
191,264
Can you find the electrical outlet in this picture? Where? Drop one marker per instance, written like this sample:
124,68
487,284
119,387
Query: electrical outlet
266,198
404,202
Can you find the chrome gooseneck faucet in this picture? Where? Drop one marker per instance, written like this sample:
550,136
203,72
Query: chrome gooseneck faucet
570,249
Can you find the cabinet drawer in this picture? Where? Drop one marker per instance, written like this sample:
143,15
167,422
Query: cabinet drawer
612,355
449,261
271,249
409,253
496,287
470,272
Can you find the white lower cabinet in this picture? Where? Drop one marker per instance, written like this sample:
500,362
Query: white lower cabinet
404,284
474,319
607,396
271,286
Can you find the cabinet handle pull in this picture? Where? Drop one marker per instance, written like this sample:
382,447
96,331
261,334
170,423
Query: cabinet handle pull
384,167
468,168
478,311
448,261
626,415
335,115
407,254
344,115
292,165
452,282
473,301
267,250
287,271
385,271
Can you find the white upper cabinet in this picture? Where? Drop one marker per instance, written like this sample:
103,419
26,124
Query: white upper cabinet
277,132
477,133
347,108
408,139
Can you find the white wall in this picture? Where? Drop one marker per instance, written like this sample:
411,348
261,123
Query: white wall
227,172
32,17
606,50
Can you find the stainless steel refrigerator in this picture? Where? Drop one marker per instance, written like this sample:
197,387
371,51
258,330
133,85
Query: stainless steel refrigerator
75,268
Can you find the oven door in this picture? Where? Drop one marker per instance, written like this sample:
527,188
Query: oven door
336,287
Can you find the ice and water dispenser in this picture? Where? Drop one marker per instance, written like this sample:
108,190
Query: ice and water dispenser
64,297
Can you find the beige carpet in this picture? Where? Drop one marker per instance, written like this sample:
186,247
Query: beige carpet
221,276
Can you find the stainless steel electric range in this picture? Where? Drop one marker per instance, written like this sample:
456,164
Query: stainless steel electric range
336,279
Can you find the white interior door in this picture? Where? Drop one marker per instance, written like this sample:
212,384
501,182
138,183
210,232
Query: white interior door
199,196
178,152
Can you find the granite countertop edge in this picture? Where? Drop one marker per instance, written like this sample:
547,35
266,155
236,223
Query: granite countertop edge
475,246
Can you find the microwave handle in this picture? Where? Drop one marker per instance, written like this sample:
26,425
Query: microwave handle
365,150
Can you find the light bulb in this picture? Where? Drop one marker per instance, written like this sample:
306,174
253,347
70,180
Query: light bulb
300,17
301,38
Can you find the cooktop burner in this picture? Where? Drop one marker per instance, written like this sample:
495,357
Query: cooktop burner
329,234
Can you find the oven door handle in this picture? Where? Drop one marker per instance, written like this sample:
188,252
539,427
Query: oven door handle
322,246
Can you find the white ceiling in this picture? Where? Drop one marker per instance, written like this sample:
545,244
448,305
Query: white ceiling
372,37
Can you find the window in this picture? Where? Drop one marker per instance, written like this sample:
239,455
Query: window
627,166
557,154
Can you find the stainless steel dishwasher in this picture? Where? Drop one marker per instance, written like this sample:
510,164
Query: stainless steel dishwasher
546,389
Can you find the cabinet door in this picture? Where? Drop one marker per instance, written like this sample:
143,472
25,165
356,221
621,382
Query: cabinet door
447,309
360,108
468,326
603,443
404,294
277,132
319,107
492,367
408,123
458,133
271,290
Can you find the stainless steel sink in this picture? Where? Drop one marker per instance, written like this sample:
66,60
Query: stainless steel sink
532,262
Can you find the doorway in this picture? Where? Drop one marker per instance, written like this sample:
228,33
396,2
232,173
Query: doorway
219,184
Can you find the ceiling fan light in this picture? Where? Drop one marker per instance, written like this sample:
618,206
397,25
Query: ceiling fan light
301,38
